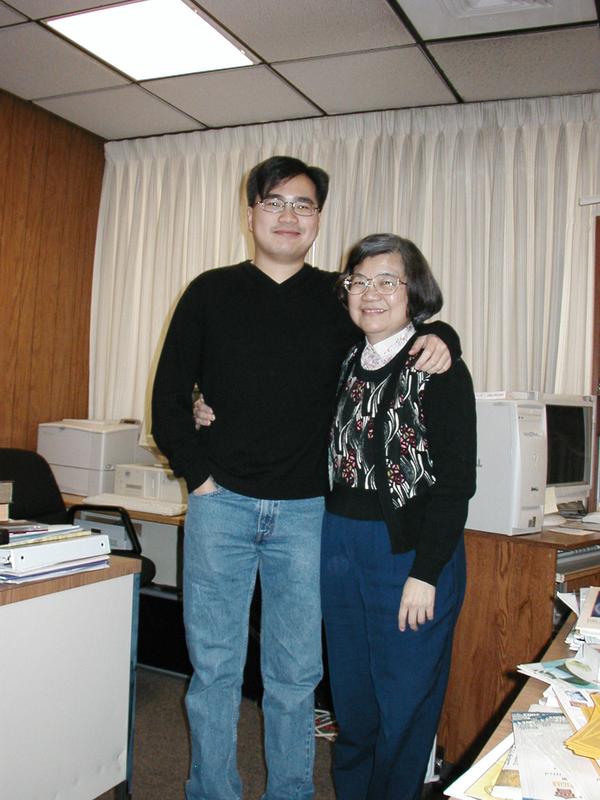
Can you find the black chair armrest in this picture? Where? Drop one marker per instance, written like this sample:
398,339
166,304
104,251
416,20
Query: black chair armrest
118,511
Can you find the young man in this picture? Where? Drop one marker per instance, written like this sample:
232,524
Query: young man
264,340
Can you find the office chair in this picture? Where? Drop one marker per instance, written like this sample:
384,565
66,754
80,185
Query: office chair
36,496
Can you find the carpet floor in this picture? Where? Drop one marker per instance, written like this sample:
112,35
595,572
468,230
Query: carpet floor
161,749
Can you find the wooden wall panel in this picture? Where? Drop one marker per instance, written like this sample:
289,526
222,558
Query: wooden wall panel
50,184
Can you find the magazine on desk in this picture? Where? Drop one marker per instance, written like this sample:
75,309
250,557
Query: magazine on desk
478,781
530,764
507,785
589,616
547,768
562,672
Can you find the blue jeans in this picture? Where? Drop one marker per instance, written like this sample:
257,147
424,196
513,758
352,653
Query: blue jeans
388,687
228,538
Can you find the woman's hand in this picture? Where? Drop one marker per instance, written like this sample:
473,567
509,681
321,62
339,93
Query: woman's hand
435,356
203,414
416,604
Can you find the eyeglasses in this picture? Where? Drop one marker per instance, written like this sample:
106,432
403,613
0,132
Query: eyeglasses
384,283
275,205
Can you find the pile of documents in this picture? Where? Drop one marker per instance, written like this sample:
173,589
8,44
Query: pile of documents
33,552
536,762
554,749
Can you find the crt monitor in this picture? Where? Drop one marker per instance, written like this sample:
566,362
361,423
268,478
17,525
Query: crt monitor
570,432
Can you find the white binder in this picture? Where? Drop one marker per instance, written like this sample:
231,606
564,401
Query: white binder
20,558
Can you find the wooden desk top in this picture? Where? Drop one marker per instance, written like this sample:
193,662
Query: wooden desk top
74,499
547,538
117,568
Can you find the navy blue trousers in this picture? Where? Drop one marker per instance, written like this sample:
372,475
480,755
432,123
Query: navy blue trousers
388,687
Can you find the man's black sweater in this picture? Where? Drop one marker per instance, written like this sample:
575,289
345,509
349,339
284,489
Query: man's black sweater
266,357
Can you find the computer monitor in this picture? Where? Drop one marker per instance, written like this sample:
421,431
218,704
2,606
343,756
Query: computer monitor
570,436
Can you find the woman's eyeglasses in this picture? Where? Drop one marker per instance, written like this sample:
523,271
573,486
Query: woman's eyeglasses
384,283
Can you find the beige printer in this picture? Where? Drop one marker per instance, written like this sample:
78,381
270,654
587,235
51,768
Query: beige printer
83,453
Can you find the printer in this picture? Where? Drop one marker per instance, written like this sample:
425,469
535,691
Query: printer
83,453
153,481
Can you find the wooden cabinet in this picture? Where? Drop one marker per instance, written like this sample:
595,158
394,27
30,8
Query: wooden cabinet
506,620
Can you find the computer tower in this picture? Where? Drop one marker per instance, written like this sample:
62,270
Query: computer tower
511,467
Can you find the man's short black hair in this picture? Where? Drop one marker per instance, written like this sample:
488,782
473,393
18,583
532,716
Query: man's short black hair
264,176
424,294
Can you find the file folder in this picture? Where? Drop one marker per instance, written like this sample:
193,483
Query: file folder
20,558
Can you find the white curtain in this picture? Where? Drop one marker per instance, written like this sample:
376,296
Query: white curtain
488,191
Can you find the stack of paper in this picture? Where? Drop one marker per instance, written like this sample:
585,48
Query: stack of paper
531,764
554,751
567,673
35,560
547,769
478,782
19,531
507,783
575,637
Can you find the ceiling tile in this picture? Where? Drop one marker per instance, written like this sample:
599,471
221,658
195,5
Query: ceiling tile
532,65
9,17
233,96
433,18
396,78
279,31
40,9
345,56
51,66
120,113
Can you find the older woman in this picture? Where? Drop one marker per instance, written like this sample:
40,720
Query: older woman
402,469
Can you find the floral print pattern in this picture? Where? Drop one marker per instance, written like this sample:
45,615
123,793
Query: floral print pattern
352,457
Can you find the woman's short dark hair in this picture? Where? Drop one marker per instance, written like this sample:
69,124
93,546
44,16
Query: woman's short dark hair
424,294
264,176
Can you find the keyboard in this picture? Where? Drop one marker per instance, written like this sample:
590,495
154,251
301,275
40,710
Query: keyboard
147,505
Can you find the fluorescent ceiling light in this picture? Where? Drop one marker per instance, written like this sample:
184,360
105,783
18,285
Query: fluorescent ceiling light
152,39
470,8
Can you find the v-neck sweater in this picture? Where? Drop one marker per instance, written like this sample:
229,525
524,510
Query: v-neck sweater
266,357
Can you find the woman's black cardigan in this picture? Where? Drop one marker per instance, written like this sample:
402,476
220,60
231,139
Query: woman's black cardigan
432,522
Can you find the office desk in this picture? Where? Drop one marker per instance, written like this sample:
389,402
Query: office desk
507,619
161,639
531,691
64,684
